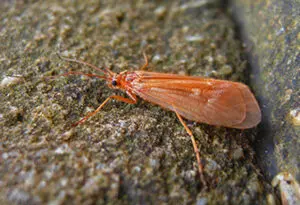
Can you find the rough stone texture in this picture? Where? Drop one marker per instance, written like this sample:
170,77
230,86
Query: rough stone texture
126,154
271,32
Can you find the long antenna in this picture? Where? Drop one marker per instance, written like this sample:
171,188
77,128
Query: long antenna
77,73
85,63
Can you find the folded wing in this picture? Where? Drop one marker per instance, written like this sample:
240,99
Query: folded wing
215,102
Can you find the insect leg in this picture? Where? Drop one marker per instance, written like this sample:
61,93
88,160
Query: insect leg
196,150
146,62
116,97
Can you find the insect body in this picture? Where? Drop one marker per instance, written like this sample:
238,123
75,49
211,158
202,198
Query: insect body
205,100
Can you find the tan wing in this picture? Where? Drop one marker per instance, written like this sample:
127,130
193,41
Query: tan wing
253,113
210,101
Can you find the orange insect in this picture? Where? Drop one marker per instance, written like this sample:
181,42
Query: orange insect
205,100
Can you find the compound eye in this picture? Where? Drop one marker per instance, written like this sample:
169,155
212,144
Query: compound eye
114,83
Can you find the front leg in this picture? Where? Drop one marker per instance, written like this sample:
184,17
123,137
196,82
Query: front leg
131,100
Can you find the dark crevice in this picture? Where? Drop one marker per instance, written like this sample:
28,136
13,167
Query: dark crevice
264,142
